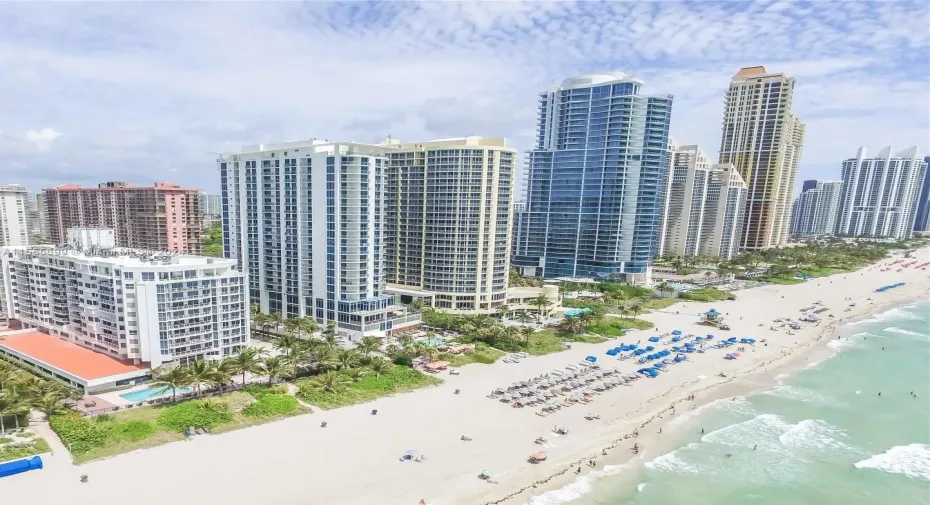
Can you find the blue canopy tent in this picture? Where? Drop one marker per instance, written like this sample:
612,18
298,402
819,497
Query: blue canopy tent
591,359
676,332
650,348
638,352
20,466
612,352
633,346
653,339
648,371
689,344
676,339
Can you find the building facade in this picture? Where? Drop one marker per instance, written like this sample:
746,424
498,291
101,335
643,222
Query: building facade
880,194
816,208
447,220
922,220
704,206
210,209
132,305
163,217
763,140
595,180
14,208
304,220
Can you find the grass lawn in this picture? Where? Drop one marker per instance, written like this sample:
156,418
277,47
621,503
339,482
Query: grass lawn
397,379
483,354
659,303
36,446
705,295
545,342
787,280
138,428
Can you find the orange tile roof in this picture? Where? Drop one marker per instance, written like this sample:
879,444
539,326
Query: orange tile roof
66,356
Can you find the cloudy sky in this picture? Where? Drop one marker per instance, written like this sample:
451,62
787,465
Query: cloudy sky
147,91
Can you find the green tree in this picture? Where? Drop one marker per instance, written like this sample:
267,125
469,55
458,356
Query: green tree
9,405
171,379
368,345
346,359
247,360
213,241
49,404
272,367
222,373
200,372
540,302
379,366
329,333
526,332
330,382
291,348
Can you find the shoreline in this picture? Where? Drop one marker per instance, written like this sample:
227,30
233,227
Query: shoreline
354,461
619,457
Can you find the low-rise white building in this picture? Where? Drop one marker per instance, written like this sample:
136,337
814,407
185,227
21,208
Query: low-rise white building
135,306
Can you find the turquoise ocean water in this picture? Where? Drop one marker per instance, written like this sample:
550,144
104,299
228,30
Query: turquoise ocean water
822,436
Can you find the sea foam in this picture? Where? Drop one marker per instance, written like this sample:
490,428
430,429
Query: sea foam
910,460
901,331
578,487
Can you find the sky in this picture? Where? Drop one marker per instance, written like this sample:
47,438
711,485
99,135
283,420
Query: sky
145,92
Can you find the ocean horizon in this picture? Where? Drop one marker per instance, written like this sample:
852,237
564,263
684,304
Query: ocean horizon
820,436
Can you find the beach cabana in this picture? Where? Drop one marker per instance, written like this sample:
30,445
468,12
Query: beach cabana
653,339
591,359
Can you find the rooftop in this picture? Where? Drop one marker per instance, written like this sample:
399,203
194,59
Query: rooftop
119,256
121,186
71,358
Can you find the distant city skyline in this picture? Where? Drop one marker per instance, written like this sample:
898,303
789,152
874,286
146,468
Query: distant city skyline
72,112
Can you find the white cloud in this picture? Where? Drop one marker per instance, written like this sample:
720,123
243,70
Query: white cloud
43,138
141,87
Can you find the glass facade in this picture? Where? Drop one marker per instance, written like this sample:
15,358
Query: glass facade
595,180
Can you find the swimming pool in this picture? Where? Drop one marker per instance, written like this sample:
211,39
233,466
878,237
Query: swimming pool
149,393
432,342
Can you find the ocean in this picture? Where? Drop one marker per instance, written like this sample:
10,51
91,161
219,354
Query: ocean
822,436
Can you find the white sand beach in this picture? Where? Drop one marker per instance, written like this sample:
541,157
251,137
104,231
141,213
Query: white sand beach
354,461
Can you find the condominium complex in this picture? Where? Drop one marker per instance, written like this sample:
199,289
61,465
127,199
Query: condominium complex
14,229
704,206
447,221
880,194
132,305
595,180
304,219
210,209
815,210
922,220
763,140
41,224
163,217
518,209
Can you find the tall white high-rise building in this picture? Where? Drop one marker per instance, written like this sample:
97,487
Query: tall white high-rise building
816,209
447,221
129,304
704,206
304,219
763,140
14,225
880,194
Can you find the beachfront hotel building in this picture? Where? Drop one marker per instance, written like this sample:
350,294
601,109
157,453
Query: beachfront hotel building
880,194
163,217
704,206
922,219
816,208
447,221
763,140
304,220
135,306
14,226
595,180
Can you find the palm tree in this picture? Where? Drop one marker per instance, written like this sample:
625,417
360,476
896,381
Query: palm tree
330,382
173,378
9,404
523,317
356,374
526,332
245,361
540,302
329,334
255,309
307,325
48,404
200,372
346,359
636,310
272,367
222,373
8,376
275,320
379,366
502,311
368,345
404,340
291,348
324,358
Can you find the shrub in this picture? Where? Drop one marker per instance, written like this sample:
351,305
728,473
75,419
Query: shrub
195,413
5,440
79,434
259,391
134,430
271,405
26,434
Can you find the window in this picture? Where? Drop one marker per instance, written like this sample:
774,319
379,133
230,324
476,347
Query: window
148,276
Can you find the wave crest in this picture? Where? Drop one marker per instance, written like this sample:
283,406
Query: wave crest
910,460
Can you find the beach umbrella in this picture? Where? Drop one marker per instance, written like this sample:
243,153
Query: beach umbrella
591,359
676,332
506,397
486,474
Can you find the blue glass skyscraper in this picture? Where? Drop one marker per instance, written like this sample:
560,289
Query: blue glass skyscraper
595,180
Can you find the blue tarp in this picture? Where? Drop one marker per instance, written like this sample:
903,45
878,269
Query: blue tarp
592,359
20,466
653,339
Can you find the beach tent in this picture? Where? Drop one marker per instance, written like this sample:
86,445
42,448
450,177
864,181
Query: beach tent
20,466
591,359
676,339
676,332
638,352
710,337
653,339
612,352
650,348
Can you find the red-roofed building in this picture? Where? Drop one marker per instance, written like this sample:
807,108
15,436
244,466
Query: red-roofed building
163,217
81,367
